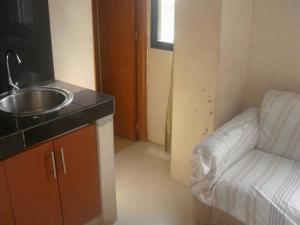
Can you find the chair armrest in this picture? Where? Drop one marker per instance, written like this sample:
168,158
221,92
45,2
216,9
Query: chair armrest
222,149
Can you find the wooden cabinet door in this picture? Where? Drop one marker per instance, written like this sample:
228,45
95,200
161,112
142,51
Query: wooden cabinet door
33,187
77,163
6,215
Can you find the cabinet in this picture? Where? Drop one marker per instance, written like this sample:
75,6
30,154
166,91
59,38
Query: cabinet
33,187
78,176
6,215
56,183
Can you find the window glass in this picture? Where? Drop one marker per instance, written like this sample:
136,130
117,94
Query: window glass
162,24
166,15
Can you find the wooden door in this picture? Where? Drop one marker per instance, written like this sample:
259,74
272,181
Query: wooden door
6,214
77,164
33,187
118,61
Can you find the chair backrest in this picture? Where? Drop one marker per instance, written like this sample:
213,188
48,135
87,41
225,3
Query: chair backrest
279,124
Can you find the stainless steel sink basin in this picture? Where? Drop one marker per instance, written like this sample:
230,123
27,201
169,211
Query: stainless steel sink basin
35,101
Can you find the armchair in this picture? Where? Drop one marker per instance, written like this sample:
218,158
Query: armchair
248,171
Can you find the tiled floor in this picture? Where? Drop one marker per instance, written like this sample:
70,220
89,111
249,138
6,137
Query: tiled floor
146,195
122,143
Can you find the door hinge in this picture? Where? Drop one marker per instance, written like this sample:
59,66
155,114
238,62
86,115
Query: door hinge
137,127
136,34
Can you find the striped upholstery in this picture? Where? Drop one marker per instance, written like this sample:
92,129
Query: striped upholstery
261,189
279,124
221,150
250,167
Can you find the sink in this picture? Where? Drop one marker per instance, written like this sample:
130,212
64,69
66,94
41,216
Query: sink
35,101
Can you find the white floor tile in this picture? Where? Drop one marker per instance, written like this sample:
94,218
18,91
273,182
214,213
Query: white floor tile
146,195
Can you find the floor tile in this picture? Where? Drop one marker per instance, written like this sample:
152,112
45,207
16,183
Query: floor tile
146,194
122,143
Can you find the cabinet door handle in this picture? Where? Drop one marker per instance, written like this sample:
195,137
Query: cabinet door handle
63,160
53,165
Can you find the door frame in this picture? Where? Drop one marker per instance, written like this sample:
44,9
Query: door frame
141,61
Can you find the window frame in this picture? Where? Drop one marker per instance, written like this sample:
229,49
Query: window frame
155,43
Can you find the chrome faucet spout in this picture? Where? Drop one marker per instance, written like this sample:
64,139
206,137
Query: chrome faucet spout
12,86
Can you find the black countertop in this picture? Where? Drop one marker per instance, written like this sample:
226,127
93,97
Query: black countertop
19,133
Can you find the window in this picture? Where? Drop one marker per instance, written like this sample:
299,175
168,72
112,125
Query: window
162,24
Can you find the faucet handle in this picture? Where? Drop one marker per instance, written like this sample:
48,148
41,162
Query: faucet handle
15,86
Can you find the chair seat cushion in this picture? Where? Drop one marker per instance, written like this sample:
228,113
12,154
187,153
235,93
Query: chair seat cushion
261,189
279,124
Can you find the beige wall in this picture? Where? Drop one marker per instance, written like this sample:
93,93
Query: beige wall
72,41
236,27
259,50
159,81
196,60
210,72
275,49
160,64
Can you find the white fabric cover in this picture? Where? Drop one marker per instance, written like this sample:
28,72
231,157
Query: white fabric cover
221,150
261,189
257,187
279,124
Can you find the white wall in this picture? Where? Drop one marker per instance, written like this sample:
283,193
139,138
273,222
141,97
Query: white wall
275,49
236,27
196,60
72,41
106,158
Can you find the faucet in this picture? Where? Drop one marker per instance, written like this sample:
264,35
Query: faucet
13,86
